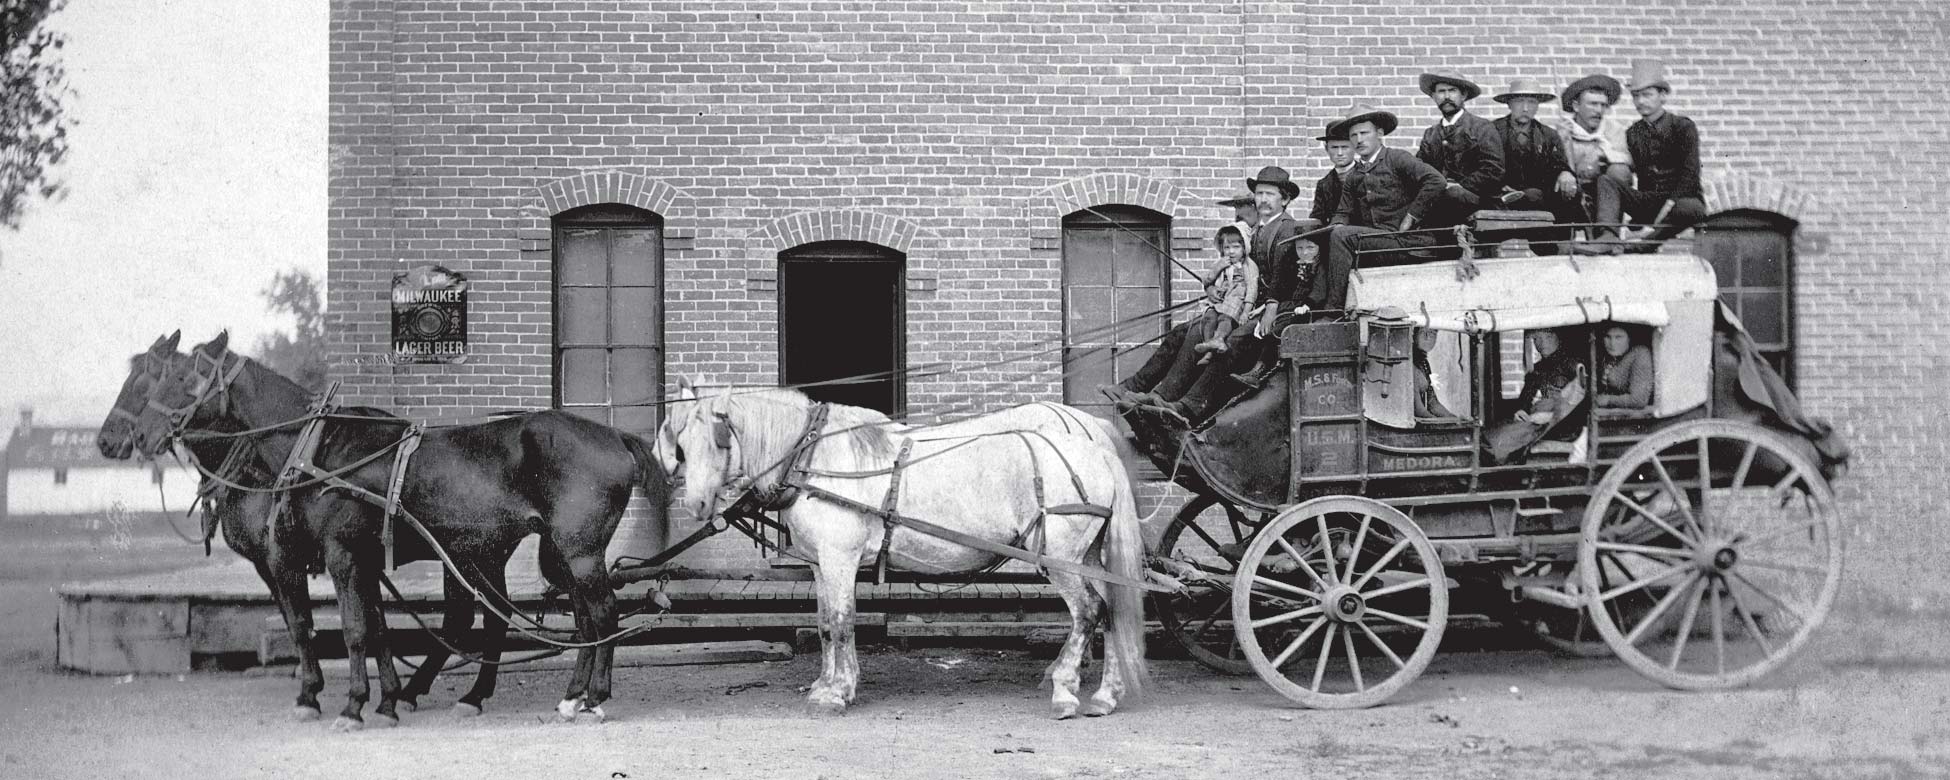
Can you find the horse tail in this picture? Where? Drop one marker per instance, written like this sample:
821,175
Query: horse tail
650,475
1124,555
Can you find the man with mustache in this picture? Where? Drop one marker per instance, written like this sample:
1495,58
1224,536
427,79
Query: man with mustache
1465,148
1665,154
1594,141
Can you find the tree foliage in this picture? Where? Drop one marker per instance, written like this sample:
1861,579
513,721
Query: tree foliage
33,119
300,354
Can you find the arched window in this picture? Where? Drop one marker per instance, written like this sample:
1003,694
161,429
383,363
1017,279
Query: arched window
1752,253
609,335
1116,269
842,315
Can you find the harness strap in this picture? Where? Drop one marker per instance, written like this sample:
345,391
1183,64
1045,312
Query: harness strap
298,462
993,548
408,444
887,507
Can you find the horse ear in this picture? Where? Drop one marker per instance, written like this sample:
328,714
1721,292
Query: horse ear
219,344
167,344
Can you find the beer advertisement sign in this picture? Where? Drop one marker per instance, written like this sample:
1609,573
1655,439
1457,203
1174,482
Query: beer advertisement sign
429,316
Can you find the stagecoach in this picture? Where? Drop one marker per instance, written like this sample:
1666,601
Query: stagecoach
1334,533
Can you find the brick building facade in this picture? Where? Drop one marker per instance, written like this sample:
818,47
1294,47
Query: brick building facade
956,155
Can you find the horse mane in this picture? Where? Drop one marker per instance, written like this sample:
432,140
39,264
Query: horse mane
770,421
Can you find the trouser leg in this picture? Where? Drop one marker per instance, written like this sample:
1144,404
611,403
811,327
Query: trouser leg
1155,369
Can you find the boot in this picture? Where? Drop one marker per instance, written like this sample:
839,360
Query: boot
1214,344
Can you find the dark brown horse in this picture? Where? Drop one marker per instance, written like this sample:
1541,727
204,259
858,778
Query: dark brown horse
479,489
243,514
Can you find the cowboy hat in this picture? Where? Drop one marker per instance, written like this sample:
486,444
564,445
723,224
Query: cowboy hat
1334,132
1383,121
1236,201
1597,81
1522,87
1649,73
1276,176
1449,76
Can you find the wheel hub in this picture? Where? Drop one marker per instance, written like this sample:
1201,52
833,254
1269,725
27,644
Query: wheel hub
1345,604
1725,558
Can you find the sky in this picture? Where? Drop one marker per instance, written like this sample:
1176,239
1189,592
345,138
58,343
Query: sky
196,171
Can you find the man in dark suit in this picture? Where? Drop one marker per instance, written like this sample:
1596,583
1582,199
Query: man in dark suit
1388,190
1665,157
1327,190
1463,147
1536,174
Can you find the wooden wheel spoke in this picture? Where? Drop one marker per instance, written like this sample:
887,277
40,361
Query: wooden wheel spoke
1213,543
1797,568
1294,589
1659,611
1678,498
1287,616
1786,482
1746,462
1646,550
1385,559
1360,536
1406,621
1326,650
1778,601
1398,587
1383,646
1705,485
1753,626
1327,550
1294,646
1666,574
1301,561
1686,623
1211,619
1353,661
1719,633
1656,520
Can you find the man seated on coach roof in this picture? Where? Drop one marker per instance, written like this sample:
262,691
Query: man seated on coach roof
1665,154
1465,148
1536,174
1594,141
1388,190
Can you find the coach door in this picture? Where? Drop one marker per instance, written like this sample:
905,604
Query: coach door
841,317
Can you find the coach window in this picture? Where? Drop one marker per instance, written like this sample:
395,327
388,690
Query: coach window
1115,273
1752,253
842,321
609,341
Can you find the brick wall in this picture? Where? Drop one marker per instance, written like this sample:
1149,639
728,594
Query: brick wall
961,133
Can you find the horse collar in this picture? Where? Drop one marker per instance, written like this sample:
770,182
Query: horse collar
785,492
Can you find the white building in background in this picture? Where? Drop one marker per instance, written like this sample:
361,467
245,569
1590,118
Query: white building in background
50,471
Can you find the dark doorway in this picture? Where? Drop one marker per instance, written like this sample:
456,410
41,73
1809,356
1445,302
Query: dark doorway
841,307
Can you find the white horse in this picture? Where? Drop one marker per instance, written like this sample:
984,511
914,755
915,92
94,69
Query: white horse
981,483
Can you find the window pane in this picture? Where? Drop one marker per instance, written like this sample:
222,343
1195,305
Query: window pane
585,376
1133,303
1086,256
633,315
597,413
581,257
633,376
582,315
1083,371
1137,258
640,420
1761,312
1090,313
1130,359
1760,266
635,256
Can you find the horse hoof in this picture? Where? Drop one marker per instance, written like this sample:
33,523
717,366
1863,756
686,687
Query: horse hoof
1096,709
826,709
410,705
1063,711
385,721
464,710
348,724
565,711
304,714
595,713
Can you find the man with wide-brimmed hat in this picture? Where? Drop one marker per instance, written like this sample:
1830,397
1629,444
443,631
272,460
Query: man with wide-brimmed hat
1594,141
1665,156
1327,189
1536,174
1388,190
1463,147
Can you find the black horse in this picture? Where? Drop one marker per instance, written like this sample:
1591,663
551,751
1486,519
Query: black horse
242,509
479,489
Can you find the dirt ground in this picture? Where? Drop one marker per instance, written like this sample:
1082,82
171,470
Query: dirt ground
1870,698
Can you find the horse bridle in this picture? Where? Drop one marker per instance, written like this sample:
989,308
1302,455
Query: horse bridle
150,368
212,385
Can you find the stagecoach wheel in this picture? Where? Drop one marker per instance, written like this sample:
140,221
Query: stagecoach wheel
1339,602
1742,571
1571,631
1202,548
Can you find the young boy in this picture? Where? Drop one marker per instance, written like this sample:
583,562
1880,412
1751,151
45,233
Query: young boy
1230,290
